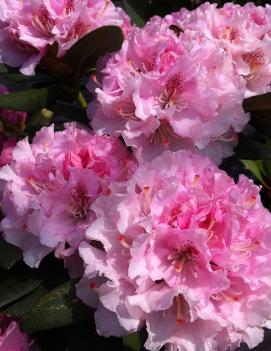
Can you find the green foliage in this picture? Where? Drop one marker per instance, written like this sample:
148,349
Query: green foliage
98,42
15,286
132,342
56,309
26,100
9,254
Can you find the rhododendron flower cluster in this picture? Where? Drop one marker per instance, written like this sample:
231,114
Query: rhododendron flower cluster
179,83
186,251
244,33
11,338
11,124
28,28
50,187
160,238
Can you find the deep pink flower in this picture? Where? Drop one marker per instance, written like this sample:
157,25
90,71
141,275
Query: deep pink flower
28,28
11,338
6,146
11,124
183,249
51,185
169,91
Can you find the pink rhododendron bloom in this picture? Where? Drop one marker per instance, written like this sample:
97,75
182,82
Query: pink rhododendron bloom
183,249
165,90
11,338
11,124
28,28
50,187
243,32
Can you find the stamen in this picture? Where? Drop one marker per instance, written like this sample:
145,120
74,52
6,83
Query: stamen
180,319
211,225
196,180
252,200
126,109
69,6
183,255
178,265
93,76
147,194
105,7
42,21
80,203
244,247
132,68
173,91
77,30
228,296
123,242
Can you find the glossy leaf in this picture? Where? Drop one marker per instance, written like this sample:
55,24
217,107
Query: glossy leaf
251,149
256,168
131,342
58,308
135,10
261,120
84,54
25,100
259,102
20,308
15,287
9,254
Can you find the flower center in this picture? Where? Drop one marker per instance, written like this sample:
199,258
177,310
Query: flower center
126,109
69,6
80,202
42,21
78,30
164,133
254,59
171,96
179,257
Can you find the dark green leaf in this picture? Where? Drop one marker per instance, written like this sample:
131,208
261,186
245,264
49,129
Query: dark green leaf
9,254
251,149
20,308
15,287
70,113
266,170
26,100
261,120
58,308
132,342
259,102
3,68
256,168
136,9
84,54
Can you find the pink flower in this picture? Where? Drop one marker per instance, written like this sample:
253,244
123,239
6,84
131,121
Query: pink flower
169,91
183,249
6,146
25,38
11,338
242,32
51,185
12,124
